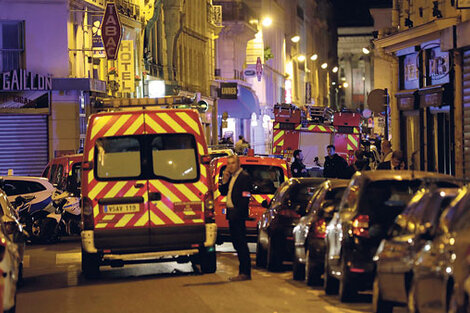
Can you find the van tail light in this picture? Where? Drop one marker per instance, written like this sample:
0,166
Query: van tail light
288,213
87,214
361,226
319,228
209,207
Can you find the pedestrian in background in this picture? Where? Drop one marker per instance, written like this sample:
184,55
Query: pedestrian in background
240,145
335,166
298,167
361,162
397,162
387,151
236,185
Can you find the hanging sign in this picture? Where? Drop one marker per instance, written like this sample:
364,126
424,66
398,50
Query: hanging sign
111,31
126,67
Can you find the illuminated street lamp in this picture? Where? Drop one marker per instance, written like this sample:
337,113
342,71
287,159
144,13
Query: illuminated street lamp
345,85
295,39
365,50
301,58
324,66
314,57
267,21
335,69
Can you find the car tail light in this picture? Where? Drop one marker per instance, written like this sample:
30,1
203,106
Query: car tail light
209,207
87,214
319,228
288,213
361,226
10,227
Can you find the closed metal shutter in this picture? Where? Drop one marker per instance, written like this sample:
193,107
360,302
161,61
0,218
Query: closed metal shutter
23,144
466,108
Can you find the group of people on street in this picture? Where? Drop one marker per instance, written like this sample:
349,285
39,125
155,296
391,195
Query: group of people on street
336,166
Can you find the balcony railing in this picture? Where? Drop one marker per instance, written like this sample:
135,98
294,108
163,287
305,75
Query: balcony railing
236,11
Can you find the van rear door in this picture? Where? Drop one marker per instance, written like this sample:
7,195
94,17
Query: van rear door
179,182
116,185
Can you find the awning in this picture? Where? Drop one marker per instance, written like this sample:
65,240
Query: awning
416,35
246,104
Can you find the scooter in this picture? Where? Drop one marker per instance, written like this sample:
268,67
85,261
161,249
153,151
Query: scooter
69,207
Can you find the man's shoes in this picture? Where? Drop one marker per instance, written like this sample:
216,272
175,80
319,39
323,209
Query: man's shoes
240,277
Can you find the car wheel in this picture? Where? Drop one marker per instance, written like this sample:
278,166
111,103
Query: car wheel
411,303
273,258
312,270
90,265
298,269
330,283
378,304
260,255
208,260
347,292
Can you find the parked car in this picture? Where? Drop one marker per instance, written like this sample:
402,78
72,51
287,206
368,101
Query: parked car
59,170
275,242
24,186
368,208
267,175
309,233
396,254
442,268
11,254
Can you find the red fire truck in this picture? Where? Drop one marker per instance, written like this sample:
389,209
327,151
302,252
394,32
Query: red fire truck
312,130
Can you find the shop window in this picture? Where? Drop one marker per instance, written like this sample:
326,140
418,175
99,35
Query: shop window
11,45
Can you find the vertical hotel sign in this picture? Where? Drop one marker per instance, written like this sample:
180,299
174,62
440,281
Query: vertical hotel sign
126,66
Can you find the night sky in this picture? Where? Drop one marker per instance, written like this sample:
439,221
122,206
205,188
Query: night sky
356,12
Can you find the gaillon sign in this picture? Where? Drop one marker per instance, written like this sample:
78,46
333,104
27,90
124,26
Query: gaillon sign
22,80
111,31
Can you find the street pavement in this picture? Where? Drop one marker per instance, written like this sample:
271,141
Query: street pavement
53,283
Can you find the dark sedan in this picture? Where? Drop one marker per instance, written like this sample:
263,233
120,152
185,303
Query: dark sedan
395,255
309,234
368,208
275,242
442,268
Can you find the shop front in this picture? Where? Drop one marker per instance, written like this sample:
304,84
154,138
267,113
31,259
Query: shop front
425,106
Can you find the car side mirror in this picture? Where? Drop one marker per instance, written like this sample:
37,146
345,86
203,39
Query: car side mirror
265,204
206,159
87,166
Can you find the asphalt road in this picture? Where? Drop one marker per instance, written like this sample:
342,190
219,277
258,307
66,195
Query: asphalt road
53,283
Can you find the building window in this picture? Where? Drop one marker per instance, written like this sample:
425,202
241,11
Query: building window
11,45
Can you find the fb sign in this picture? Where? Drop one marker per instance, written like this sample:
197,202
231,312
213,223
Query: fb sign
111,31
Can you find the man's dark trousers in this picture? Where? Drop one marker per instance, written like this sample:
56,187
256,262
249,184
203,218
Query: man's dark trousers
238,233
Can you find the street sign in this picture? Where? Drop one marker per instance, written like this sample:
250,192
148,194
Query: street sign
377,100
259,69
111,31
228,91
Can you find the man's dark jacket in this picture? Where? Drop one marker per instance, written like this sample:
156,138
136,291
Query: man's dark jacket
240,196
298,169
336,167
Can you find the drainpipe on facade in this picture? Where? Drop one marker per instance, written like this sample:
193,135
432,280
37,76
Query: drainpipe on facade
458,115
395,117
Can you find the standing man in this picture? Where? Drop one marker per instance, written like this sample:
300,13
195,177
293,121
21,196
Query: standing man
298,167
387,151
335,166
236,185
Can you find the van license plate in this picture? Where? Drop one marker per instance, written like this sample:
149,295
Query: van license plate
121,208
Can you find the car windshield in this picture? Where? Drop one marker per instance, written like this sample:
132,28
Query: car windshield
384,200
265,179
171,157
